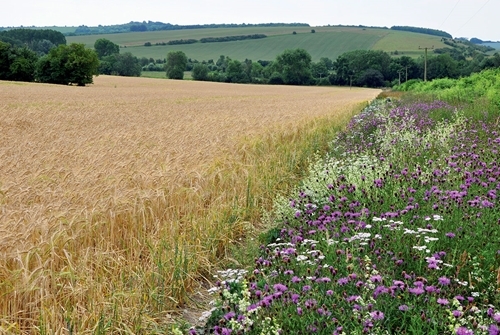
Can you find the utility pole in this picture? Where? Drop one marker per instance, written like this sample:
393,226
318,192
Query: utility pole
425,62
399,72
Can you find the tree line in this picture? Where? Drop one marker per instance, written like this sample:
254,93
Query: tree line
364,68
159,26
210,40
428,31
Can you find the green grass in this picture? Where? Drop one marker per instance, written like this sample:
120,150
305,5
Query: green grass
407,43
326,42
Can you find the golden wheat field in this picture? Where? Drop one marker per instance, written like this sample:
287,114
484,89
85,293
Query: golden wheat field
116,198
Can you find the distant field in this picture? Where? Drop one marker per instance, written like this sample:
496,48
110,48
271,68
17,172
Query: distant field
407,43
115,198
493,45
326,42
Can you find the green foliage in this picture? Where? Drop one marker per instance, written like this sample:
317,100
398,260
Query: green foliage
355,64
17,63
481,90
182,41
23,66
232,38
370,78
73,64
295,66
200,72
176,64
105,47
235,72
427,31
126,65
27,36
276,79
319,70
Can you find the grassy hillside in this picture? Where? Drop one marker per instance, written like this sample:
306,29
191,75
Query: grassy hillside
326,42
407,43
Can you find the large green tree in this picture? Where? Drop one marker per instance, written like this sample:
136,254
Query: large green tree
235,72
127,65
442,66
73,64
17,63
294,66
354,64
105,47
176,64
200,72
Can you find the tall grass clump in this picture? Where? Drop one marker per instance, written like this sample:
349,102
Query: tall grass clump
396,231
478,93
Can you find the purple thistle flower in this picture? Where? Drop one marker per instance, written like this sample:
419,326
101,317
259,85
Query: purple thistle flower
457,313
229,315
306,288
493,330
444,281
377,315
380,290
450,235
280,288
299,311
352,298
443,301
496,317
343,281
403,308
329,292
464,331
416,290
430,289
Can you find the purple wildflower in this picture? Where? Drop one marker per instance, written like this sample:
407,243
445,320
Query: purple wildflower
403,308
280,288
493,330
377,315
229,315
416,290
343,281
443,301
464,331
444,281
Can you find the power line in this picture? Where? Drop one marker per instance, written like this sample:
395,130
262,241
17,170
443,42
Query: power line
450,13
473,15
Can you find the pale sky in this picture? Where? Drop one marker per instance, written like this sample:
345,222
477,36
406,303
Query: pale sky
461,18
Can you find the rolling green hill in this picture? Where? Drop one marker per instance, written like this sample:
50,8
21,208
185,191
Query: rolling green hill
325,42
